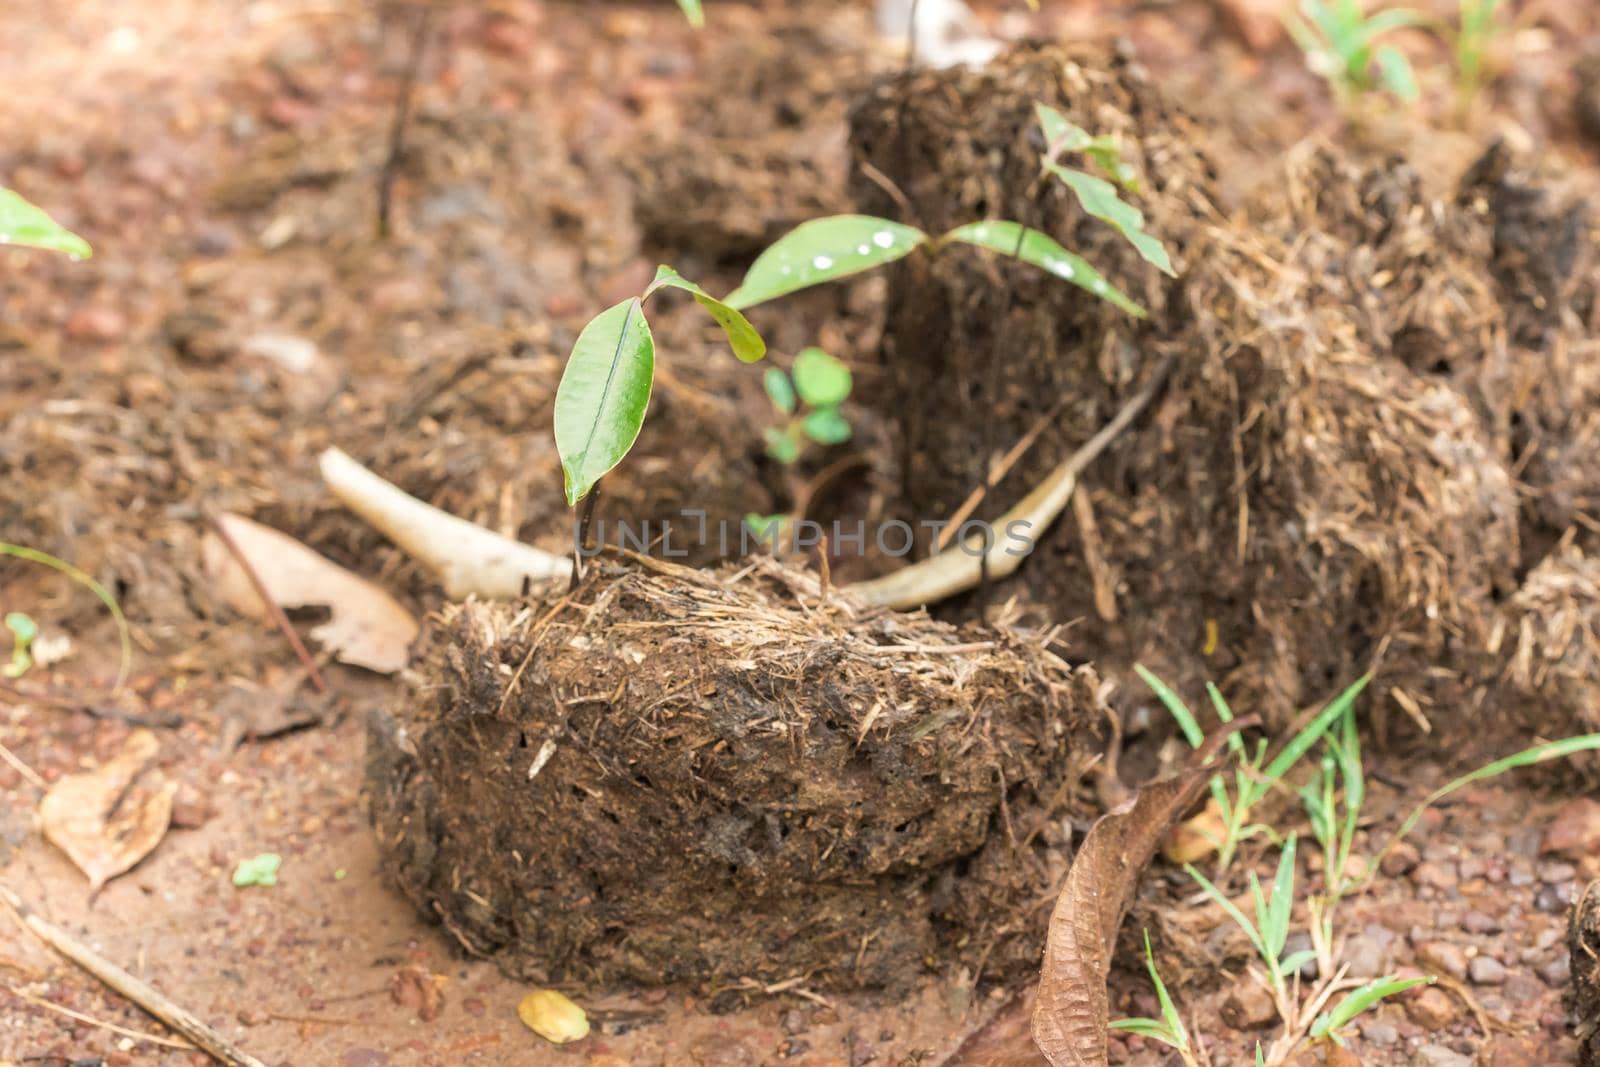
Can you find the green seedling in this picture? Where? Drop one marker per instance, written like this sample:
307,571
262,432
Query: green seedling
1333,799
22,223
808,400
1169,1029
259,870
1329,1023
1269,933
1341,43
1478,27
605,389
1254,777
23,631
33,555
693,12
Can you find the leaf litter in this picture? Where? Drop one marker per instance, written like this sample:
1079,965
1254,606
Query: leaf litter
103,824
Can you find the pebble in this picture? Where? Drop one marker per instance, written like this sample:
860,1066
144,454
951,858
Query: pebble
98,324
1300,942
1437,875
1575,830
1379,1032
1366,954
1431,1008
1486,970
1508,1050
1442,957
1249,1007
1555,873
1401,860
1554,899
1439,1056
1477,922
1558,972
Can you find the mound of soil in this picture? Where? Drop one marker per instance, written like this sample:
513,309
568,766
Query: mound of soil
1363,372
678,775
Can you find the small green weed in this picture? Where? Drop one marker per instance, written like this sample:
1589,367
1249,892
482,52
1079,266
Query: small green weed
1254,777
33,555
808,399
1169,1029
1478,26
23,631
1341,43
22,223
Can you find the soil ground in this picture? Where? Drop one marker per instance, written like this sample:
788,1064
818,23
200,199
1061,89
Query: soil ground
222,160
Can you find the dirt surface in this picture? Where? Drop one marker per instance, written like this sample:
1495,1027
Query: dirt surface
240,314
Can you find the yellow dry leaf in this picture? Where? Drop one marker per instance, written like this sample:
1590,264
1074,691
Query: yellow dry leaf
553,1017
1194,839
102,826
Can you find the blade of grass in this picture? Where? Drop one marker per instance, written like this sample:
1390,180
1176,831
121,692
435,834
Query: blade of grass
33,555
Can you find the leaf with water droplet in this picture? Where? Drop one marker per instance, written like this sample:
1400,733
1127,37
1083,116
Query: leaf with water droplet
1099,198
824,250
821,380
1045,253
22,223
604,391
742,337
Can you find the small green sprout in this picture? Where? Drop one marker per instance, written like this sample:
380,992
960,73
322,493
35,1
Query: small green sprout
1479,25
693,12
23,630
124,635
1341,44
1329,1023
1254,778
818,382
259,870
1333,799
22,223
1269,933
1169,1029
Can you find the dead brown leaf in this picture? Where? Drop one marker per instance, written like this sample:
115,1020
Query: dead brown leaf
1070,1016
366,627
103,825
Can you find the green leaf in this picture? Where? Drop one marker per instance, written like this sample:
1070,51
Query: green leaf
692,11
781,445
826,426
823,381
1175,706
823,250
1296,960
765,527
1302,741
1063,135
1359,1000
1230,907
21,223
1397,75
258,870
124,634
779,390
742,337
23,630
1045,253
604,391
1099,198
1275,930
1168,1011
1150,1029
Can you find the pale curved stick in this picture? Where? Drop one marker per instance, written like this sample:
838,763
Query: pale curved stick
956,570
469,560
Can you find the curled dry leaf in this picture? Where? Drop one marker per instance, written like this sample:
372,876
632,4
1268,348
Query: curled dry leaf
101,823
366,627
1070,1016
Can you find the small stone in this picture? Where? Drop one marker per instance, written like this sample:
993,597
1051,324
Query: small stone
1339,1056
1477,922
1365,955
1556,873
1521,875
1378,1032
1442,957
1508,1050
1249,1007
1401,860
1575,830
1431,1008
1439,1056
1486,970
1300,942
1554,899
1558,972
1470,867
96,324
1436,875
